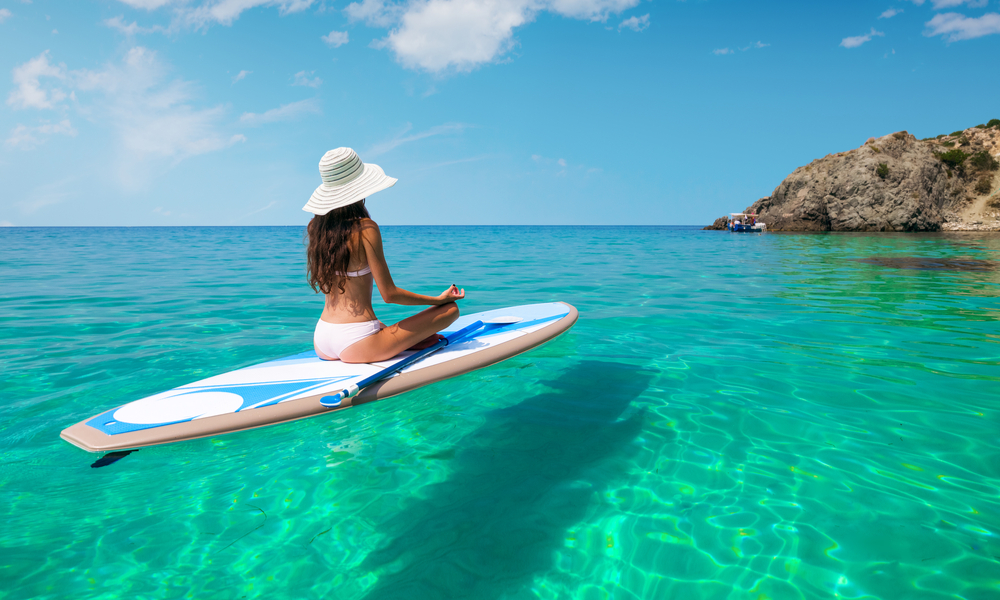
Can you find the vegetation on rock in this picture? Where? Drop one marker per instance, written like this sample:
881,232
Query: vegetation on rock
953,158
882,170
983,161
984,185
993,123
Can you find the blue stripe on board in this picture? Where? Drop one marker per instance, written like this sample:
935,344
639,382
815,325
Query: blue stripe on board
523,325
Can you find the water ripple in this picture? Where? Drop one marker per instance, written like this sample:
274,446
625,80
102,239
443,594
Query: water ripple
732,417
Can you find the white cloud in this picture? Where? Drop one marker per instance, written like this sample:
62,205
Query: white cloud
302,78
754,46
957,27
6,224
27,138
459,35
335,39
29,92
152,117
146,4
285,112
4,14
241,76
204,13
130,29
635,23
375,13
430,35
225,12
855,41
560,167
402,138
594,10
890,13
939,4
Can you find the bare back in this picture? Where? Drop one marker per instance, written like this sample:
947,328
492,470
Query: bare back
354,304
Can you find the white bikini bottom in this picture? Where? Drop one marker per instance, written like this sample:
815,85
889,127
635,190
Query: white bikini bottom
333,338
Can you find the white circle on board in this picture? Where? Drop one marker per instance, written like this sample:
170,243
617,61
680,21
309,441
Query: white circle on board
503,320
182,407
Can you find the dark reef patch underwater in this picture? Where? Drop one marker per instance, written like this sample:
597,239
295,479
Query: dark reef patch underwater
925,263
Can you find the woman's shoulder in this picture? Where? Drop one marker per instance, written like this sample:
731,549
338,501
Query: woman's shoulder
369,229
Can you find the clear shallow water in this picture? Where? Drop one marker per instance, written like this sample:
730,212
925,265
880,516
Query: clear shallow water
732,417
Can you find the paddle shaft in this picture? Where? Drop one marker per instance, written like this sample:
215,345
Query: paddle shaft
334,400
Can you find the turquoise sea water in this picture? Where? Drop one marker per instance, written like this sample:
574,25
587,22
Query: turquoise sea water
732,417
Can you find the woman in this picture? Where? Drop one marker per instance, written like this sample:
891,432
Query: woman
344,259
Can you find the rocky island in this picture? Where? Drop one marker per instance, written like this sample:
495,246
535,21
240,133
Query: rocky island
893,183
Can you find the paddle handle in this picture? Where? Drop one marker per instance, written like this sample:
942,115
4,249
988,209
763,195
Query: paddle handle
352,390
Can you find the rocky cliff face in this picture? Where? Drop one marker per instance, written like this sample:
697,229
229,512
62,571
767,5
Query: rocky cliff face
893,183
719,224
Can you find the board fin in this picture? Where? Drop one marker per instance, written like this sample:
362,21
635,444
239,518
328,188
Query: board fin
110,458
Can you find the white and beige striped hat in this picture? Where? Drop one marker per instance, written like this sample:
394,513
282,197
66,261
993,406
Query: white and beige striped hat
346,180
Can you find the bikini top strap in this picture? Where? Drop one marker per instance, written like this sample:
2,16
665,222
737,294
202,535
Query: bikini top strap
358,273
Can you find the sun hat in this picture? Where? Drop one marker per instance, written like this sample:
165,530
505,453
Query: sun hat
346,180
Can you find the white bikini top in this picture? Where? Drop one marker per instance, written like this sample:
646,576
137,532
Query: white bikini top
358,273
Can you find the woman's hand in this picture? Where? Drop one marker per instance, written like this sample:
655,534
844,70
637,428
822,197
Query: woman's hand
451,294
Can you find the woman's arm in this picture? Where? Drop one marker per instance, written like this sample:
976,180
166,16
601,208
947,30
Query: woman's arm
391,294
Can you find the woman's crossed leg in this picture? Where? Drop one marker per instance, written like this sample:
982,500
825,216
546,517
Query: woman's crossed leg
416,332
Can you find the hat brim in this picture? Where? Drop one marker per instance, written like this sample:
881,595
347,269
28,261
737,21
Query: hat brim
326,198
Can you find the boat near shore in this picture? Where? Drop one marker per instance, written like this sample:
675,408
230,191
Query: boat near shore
745,223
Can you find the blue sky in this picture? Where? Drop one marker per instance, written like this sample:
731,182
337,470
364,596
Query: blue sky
216,112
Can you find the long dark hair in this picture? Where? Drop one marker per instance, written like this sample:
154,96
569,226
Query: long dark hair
333,238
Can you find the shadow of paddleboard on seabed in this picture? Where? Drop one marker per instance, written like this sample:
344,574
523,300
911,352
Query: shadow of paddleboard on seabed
519,482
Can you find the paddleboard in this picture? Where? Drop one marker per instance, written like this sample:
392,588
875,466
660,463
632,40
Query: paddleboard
290,388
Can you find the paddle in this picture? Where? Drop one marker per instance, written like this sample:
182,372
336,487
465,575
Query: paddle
459,336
